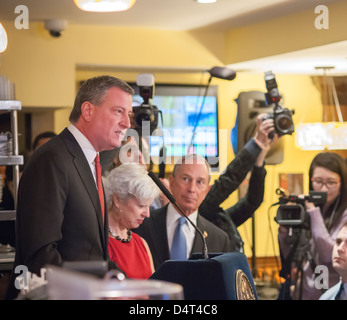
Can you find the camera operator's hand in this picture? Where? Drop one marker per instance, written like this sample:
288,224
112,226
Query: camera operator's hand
309,205
262,137
263,129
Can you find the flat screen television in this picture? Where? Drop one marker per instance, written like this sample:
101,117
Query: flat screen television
180,116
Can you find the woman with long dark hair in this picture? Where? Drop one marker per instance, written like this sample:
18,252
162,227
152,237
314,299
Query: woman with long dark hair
327,173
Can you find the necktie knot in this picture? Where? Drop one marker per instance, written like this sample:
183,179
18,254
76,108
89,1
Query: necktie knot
182,221
97,161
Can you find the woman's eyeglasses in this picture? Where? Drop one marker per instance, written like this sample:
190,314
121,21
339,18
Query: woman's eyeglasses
330,184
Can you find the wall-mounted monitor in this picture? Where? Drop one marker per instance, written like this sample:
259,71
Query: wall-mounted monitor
180,107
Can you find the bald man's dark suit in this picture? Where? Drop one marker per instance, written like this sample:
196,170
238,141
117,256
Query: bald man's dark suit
59,216
153,230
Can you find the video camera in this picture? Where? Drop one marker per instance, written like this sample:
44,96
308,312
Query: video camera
295,215
147,111
282,116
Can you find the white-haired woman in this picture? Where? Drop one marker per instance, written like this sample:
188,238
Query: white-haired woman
129,194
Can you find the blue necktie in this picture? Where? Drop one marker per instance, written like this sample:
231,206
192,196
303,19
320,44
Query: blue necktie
341,294
179,244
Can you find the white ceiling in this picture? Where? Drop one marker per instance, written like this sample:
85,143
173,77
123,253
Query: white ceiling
187,15
329,59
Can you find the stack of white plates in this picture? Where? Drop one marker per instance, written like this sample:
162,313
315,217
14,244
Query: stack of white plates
7,89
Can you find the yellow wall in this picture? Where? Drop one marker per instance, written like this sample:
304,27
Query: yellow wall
43,67
46,71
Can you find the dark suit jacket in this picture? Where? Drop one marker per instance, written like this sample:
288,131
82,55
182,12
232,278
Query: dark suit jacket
59,216
153,230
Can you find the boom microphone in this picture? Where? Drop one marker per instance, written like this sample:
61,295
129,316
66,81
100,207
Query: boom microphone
171,198
222,73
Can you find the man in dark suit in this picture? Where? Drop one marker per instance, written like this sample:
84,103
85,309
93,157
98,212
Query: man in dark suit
339,259
59,214
189,185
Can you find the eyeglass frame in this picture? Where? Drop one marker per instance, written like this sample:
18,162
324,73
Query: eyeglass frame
322,183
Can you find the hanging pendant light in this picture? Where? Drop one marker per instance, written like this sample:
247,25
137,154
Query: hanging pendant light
328,134
104,5
3,38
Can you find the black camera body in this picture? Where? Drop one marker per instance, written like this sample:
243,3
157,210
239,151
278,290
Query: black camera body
146,112
282,116
296,215
283,121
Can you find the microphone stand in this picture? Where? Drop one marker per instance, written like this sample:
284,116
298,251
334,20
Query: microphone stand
199,114
174,203
217,72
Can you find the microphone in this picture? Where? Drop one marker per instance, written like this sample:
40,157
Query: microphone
173,201
222,73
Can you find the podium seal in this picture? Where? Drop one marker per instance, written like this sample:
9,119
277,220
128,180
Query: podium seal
244,289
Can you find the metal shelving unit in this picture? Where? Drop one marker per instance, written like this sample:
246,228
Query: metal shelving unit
14,160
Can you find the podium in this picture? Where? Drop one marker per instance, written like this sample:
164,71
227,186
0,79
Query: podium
221,277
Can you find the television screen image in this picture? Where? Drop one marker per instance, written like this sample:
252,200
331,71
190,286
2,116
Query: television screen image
180,108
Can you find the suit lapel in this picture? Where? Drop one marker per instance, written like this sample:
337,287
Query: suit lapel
159,233
87,178
198,244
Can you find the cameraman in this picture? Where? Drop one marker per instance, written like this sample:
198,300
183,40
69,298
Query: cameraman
327,173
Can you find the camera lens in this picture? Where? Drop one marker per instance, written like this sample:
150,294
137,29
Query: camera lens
142,117
145,116
284,122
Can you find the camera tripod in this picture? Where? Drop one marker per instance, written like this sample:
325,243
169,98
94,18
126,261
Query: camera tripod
297,258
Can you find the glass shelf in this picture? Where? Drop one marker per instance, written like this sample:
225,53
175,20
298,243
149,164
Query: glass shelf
6,215
11,160
8,105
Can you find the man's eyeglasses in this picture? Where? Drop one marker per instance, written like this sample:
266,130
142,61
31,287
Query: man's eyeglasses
330,184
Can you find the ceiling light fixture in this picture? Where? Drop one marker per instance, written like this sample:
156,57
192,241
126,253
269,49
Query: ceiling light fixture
104,5
206,1
3,38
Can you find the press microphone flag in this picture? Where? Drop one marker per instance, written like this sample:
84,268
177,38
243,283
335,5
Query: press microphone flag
171,198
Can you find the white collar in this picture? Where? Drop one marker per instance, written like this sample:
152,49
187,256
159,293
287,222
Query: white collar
173,215
87,148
